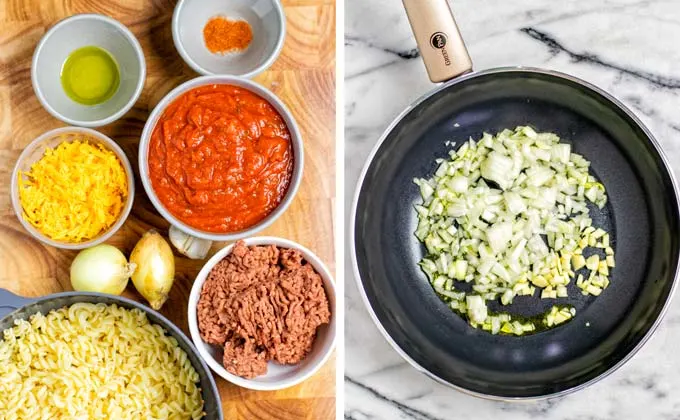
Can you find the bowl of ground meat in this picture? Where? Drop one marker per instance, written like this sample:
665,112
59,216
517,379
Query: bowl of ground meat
262,313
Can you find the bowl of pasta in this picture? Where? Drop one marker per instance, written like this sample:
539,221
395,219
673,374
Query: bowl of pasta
98,356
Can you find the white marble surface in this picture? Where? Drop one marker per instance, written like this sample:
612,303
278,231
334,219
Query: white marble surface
631,49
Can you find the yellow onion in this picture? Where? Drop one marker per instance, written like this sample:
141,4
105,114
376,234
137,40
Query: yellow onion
155,271
102,268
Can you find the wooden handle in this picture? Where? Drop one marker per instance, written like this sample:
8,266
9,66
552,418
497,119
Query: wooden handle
438,38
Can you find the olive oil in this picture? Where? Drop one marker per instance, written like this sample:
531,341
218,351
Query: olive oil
90,75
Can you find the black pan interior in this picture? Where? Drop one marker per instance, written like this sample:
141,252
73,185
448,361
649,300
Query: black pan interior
212,406
642,216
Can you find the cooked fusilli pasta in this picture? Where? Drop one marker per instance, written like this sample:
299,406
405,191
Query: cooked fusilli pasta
95,361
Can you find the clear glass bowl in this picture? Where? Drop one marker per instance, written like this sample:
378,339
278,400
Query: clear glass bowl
51,139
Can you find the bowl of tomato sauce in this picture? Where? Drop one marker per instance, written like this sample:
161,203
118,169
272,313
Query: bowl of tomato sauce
221,157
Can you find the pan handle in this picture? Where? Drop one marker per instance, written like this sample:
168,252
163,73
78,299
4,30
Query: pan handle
9,302
438,38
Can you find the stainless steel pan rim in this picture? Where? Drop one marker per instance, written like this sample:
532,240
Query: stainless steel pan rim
355,267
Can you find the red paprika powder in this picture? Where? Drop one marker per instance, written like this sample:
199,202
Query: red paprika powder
222,35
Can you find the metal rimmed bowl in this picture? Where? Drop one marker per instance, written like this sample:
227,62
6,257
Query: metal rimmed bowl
296,142
51,139
13,307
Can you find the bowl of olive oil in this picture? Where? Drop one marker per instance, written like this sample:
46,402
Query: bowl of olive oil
90,75
88,70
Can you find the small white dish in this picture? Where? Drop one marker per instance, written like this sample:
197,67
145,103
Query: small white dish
277,376
71,34
265,17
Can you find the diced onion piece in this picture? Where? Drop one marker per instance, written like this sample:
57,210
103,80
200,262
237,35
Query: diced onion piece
593,262
514,202
610,261
498,236
498,168
458,184
459,269
560,152
426,189
578,261
476,308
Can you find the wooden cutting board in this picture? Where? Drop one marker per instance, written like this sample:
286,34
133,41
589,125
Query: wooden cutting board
303,77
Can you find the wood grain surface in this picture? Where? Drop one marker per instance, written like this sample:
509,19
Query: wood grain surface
303,77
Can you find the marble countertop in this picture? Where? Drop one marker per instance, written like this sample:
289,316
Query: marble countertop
629,48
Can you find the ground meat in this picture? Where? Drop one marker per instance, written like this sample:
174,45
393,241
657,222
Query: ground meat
262,303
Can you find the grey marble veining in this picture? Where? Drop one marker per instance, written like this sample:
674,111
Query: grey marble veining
629,48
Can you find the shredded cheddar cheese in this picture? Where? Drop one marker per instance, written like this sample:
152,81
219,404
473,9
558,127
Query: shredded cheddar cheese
74,192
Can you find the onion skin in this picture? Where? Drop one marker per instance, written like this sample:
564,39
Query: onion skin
102,269
155,271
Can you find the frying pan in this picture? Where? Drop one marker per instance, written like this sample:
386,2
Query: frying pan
13,307
642,216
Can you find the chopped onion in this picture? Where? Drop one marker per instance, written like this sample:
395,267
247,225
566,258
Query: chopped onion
498,168
476,308
509,214
498,236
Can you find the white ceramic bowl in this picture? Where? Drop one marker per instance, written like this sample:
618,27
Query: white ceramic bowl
266,18
296,139
278,376
36,149
80,31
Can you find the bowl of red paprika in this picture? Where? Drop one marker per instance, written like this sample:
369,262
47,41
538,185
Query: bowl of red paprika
221,157
234,37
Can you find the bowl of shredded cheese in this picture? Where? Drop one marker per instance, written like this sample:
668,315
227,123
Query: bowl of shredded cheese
72,188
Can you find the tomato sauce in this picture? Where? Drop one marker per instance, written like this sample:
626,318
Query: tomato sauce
220,158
